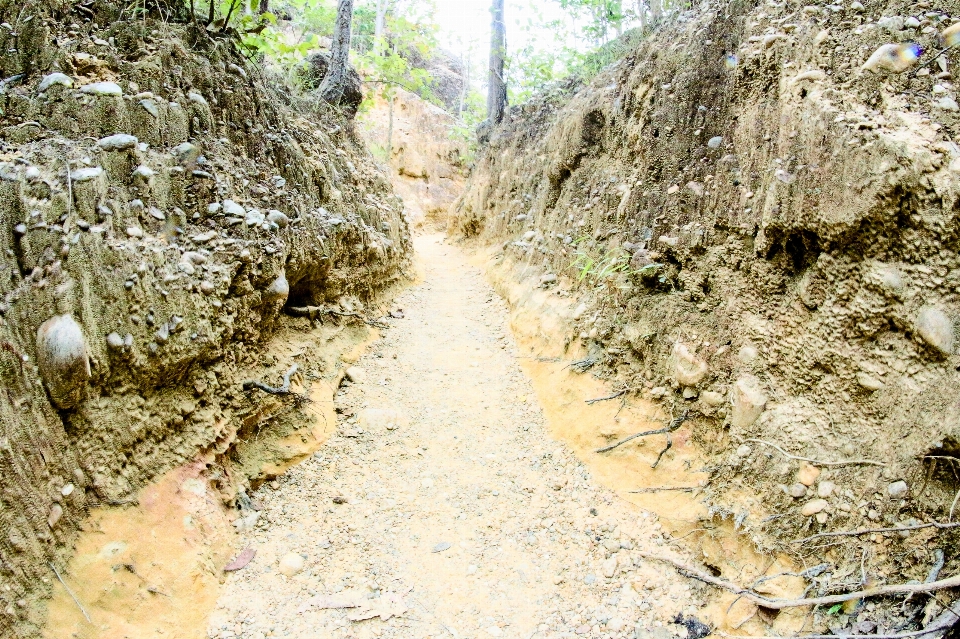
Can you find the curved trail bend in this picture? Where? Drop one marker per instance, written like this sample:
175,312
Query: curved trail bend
462,516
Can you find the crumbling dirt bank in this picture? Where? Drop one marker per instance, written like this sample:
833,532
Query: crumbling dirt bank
741,224
166,213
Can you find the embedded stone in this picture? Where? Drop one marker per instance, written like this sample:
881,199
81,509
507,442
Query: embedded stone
807,475
897,489
936,329
278,218
688,369
63,359
55,79
103,89
279,289
747,402
813,507
86,174
118,142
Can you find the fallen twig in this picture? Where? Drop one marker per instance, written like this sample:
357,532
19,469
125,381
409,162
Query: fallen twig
582,365
781,604
846,462
868,531
591,402
281,390
683,489
70,592
674,425
315,312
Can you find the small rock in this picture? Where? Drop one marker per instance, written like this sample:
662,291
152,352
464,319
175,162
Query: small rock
689,393
54,79
115,341
549,278
103,89
797,490
615,625
254,218
20,230
86,174
715,142
233,209
688,369
134,232
612,545
193,96
857,6
63,359
869,382
207,287
279,290
936,328
609,568
825,489
947,104
529,235
743,450
951,35
186,153
711,398
897,489
279,218
291,564
143,171
747,354
893,58
659,392
118,142
56,512
356,375
67,490
150,106
813,507
807,475
443,545
747,402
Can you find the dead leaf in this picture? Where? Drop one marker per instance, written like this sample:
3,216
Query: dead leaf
242,560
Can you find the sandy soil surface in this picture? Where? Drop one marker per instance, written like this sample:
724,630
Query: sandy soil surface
442,508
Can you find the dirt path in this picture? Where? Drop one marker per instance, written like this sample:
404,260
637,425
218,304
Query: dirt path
462,515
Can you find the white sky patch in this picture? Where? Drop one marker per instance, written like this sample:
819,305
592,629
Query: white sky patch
465,27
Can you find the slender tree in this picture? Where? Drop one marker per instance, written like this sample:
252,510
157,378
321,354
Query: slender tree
497,97
334,83
379,27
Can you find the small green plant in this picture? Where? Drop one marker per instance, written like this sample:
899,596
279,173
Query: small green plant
599,269
834,610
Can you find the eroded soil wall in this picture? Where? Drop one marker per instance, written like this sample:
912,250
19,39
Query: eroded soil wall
163,210
759,232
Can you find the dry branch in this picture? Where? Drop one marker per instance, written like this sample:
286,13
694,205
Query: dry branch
780,604
281,390
847,462
591,402
868,531
674,425
684,489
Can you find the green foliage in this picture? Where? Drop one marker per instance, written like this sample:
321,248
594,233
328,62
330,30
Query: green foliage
598,269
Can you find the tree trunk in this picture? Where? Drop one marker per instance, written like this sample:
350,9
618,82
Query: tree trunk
379,27
264,6
333,85
497,96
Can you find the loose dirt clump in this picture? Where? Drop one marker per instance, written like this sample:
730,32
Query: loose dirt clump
740,222
164,209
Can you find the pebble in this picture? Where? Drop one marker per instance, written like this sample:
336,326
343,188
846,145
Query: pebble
443,545
207,287
808,474
825,489
144,171
711,398
254,218
115,341
193,96
279,289
897,489
893,58
947,104
291,564
186,153
797,490
869,382
549,278
233,209
103,89
86,174
529,235
134,231
150,106
688,369
715,142
56,512
813,507
54,79
936,328
279,218
118,142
